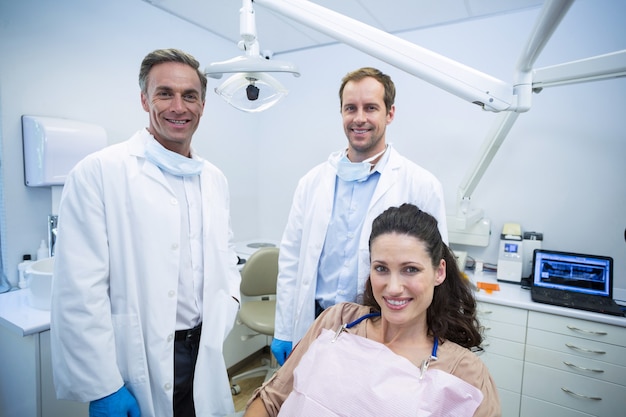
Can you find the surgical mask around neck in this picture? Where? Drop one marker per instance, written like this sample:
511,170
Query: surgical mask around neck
171,162
356,171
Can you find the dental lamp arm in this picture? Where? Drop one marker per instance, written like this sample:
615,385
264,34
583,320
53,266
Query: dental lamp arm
549,19
252,62
458,79
600,67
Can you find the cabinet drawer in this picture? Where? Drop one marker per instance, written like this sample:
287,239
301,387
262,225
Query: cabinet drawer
533,407
577,346
503,347
506,372
586,329
578,365
500,313
599,398
501,330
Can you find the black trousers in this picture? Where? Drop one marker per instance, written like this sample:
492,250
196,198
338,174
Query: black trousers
186,346
318,308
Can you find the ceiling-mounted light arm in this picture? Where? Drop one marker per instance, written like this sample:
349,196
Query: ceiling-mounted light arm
252,61
547,22
247,30
550,17
250,88
463,81
600,67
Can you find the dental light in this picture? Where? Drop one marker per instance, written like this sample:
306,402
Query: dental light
250,88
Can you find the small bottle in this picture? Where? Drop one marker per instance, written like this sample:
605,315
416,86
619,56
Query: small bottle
42,252
21,270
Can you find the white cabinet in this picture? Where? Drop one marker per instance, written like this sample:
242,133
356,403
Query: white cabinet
552,365
573,365
505,335
19,375
26,388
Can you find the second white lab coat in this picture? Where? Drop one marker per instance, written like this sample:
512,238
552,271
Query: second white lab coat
401,181
116,278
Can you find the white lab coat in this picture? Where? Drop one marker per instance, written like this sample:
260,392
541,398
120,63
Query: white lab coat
401,181
116,277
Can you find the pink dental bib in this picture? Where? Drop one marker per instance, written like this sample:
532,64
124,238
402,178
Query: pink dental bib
357,377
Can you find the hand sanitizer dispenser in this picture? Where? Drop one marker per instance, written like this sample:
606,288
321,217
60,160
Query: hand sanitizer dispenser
53,146
510,256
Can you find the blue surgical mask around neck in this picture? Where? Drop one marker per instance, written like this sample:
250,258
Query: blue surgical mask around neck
355,171
171,162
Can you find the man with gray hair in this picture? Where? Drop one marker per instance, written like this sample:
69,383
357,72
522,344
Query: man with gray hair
146,285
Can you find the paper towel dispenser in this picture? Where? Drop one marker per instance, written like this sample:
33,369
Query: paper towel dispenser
52,146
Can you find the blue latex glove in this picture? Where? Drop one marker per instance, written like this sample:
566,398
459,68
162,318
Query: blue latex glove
119,404
281,349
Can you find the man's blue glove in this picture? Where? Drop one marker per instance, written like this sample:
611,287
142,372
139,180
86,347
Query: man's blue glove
119,404
281,349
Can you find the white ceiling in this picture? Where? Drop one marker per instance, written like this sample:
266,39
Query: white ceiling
280,34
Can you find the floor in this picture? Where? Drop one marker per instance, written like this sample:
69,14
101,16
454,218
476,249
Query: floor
250,384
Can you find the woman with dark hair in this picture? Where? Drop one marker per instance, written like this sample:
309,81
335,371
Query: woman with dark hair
407,351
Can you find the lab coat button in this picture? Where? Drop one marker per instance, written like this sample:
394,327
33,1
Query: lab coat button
170,337
174,201
171,293
167,386
174,246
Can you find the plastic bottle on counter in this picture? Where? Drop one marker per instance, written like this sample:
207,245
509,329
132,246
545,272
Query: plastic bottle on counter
42,252
21,270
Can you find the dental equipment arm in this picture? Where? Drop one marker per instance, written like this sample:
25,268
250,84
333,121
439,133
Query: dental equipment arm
550,17
458,79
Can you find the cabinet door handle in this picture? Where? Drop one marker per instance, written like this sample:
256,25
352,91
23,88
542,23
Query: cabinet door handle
586,397
599,352
485,311
597,333
582,368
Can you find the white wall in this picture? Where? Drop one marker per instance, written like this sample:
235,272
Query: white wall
560,171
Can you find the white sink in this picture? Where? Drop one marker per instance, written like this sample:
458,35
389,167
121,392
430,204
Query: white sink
39,278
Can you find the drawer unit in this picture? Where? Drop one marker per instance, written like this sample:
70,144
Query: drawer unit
574,364
547,364
533,407
494,343
584,329
577,392
504,331
504,314
582,357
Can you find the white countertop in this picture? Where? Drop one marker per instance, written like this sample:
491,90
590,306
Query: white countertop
17,315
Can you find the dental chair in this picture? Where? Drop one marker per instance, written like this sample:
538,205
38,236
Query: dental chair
258,279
